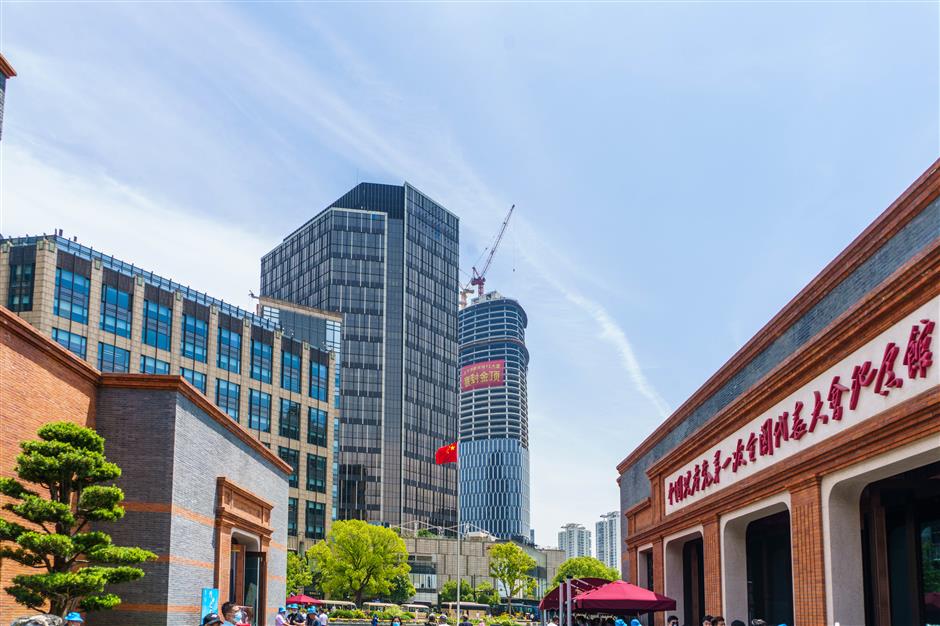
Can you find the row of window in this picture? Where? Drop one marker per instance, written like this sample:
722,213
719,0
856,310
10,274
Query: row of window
316,469
314,519
71,302
227,394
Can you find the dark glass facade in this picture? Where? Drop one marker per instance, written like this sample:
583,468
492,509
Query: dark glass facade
494,428
386,257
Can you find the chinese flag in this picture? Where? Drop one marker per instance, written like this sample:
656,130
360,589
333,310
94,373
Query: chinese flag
446,454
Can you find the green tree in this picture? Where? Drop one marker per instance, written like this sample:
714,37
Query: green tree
299,575
485,593
510,565
448,592
358,559
584,567
401,589
77,564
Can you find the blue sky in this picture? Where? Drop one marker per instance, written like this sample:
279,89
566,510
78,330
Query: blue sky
680,170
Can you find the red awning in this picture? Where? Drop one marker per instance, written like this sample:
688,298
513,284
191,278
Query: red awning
302,599
620,596
578,585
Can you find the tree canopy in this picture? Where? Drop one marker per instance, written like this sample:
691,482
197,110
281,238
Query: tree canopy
584,567
510,565
448,592
401,589
76,563
358,560
485,593
299,575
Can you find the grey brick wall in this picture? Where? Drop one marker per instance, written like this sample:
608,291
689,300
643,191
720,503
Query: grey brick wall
171,451
205,450
906,243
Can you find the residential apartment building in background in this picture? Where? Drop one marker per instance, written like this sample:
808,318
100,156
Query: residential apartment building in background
6,72
607,538
494,424
386,257
269,372
575,540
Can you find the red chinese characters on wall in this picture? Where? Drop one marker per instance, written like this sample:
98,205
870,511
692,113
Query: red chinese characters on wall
775,431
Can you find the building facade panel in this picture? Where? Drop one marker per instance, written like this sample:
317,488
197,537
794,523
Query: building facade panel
494,425
385,257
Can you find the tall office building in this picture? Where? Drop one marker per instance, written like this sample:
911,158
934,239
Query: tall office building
494,429
269,371
575,540
386,257
607,537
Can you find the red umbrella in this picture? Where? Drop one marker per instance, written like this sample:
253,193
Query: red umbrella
578,585
302,599
621,596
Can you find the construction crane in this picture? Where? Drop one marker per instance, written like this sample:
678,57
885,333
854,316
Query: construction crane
478,279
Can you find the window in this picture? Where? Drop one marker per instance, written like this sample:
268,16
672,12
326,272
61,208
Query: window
259,410
196,379
230,350
195,338
115,311
316,473
315,521
261,361
71,296
290,371
227,397
319,380
292,458
292,517
150,365
113,359
289,423
21,287
157,323
316,427
76,344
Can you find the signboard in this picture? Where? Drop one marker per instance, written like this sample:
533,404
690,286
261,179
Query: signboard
210,602
482,375
895,366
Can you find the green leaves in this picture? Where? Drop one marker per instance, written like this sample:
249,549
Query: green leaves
113,555
358,559
584,567
101,504
68,461
298,573
510,565
40,511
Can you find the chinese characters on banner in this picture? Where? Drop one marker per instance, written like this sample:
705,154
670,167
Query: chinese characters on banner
808,416
480,375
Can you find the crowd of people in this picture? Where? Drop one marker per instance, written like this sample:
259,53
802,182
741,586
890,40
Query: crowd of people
672,620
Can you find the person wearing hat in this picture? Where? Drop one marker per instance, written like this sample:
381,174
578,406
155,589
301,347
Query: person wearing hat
73,619
211,619
281,618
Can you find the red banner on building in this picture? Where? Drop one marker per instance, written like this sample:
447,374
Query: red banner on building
481,375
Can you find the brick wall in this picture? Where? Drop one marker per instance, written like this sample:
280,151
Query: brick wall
172,451
40,383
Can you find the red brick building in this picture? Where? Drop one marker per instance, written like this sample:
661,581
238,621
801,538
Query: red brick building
801,483
200,491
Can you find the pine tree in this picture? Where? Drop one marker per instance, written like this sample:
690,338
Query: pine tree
76,562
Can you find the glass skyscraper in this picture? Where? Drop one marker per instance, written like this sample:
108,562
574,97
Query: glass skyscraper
494,428
386,257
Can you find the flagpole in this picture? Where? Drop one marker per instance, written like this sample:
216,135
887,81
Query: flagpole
458,532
